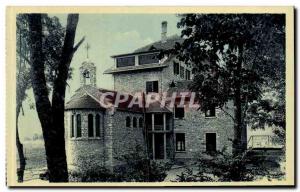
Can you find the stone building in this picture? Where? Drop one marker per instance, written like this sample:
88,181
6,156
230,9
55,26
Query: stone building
98,132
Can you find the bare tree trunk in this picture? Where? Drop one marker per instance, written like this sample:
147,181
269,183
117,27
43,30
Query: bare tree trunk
52,116
238,144
21,169
20,97
58,96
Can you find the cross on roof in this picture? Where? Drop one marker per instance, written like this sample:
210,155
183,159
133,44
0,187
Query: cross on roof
87,47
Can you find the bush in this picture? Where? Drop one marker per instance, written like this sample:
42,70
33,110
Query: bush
136,168
100,174
224,167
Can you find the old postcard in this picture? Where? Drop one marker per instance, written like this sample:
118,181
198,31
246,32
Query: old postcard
150,96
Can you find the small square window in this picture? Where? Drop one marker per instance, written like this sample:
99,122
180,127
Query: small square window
152,87
179,112
211,112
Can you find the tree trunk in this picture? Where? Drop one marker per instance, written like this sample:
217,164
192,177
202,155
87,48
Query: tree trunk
21,169
58,96
52,116
239,145
20,97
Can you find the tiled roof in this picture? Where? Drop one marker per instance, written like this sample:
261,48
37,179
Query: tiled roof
134,68
156,108
88,97
150,48
161,45
83,102
156,46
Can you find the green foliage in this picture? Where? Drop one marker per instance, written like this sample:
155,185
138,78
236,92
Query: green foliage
100,174
233,56
136,167
53,37
215,45
224,167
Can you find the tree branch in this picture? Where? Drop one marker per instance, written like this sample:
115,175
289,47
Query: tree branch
227,113
78,44
24,57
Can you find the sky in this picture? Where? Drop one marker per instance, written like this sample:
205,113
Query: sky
107,34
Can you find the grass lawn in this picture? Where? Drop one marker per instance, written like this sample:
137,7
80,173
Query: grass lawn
35,159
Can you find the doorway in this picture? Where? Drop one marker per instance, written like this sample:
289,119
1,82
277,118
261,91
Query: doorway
159,146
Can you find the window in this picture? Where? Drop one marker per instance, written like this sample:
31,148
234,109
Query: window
148,59
78,121
182,72
179,112
211,112
90,125
187,75
128,121
176,68
180,142
141,122
152,87
98,125
86,74
125,61
72,126
134,122
211,142
158,119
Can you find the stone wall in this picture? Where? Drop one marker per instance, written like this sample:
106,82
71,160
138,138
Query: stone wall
85,152
135,81
125,139
195,126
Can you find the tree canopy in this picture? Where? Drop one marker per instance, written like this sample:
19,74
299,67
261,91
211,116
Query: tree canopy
233,57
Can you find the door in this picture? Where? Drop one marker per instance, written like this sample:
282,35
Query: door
211,144
159,145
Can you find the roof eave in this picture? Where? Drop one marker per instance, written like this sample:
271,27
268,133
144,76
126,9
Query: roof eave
135,53
113,71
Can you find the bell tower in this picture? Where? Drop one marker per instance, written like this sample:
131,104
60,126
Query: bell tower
87,71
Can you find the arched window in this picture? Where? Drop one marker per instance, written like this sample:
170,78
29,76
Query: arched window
134,122
141,122
90,125
72,126
128,121
78,122
98,121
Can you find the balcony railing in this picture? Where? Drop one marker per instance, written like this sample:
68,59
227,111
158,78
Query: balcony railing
262,141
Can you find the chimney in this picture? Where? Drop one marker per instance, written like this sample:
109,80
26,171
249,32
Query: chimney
164,26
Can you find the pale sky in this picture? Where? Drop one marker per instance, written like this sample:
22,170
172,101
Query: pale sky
107,34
